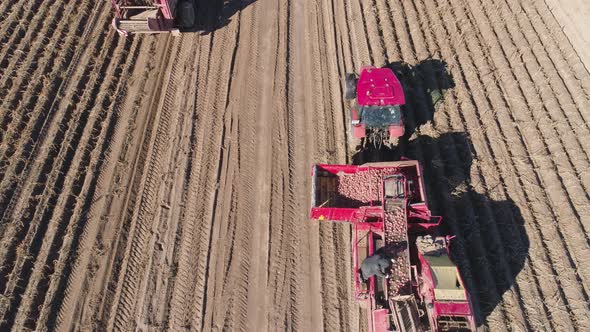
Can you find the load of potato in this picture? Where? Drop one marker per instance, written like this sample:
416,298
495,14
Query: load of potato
396,243
364,186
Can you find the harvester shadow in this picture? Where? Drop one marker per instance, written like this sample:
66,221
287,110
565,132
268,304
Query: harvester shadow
211,15
491,245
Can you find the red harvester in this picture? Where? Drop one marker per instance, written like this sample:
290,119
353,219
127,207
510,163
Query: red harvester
426,292
152,16
376,113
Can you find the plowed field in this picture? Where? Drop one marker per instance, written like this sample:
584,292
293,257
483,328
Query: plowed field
162,183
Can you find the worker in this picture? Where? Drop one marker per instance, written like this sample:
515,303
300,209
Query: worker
378,264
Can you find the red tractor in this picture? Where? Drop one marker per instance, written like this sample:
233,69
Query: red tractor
386,205
376,114
152,16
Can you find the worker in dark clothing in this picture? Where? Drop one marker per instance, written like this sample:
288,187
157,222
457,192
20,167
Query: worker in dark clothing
376,265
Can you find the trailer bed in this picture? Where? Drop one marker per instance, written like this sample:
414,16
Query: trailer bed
351,190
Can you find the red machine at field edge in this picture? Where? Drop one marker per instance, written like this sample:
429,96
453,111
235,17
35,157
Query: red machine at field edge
159,16
426,293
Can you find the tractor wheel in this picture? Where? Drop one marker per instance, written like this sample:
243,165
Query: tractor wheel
354,143
351,81
186,12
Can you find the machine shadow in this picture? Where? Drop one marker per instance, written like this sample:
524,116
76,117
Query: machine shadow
211,15
491,245
424,86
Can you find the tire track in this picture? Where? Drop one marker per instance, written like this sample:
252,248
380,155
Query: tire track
59,291
324,145
249,276
261,161
182,286
191,298
302,116
124,312
161,278
279,232
308,300
222,271
62,307
336,116
278,237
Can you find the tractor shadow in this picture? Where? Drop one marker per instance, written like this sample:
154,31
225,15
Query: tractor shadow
491,244
211,15
425,85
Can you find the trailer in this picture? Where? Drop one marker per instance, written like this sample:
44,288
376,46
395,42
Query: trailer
386,205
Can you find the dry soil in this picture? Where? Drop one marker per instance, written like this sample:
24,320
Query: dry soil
162,183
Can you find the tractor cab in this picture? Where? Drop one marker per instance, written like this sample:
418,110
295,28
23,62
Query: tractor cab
376,113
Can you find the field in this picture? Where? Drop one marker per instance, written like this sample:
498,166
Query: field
162,183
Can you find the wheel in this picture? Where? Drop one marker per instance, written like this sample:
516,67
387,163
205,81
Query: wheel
351,81
353,142
186,12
